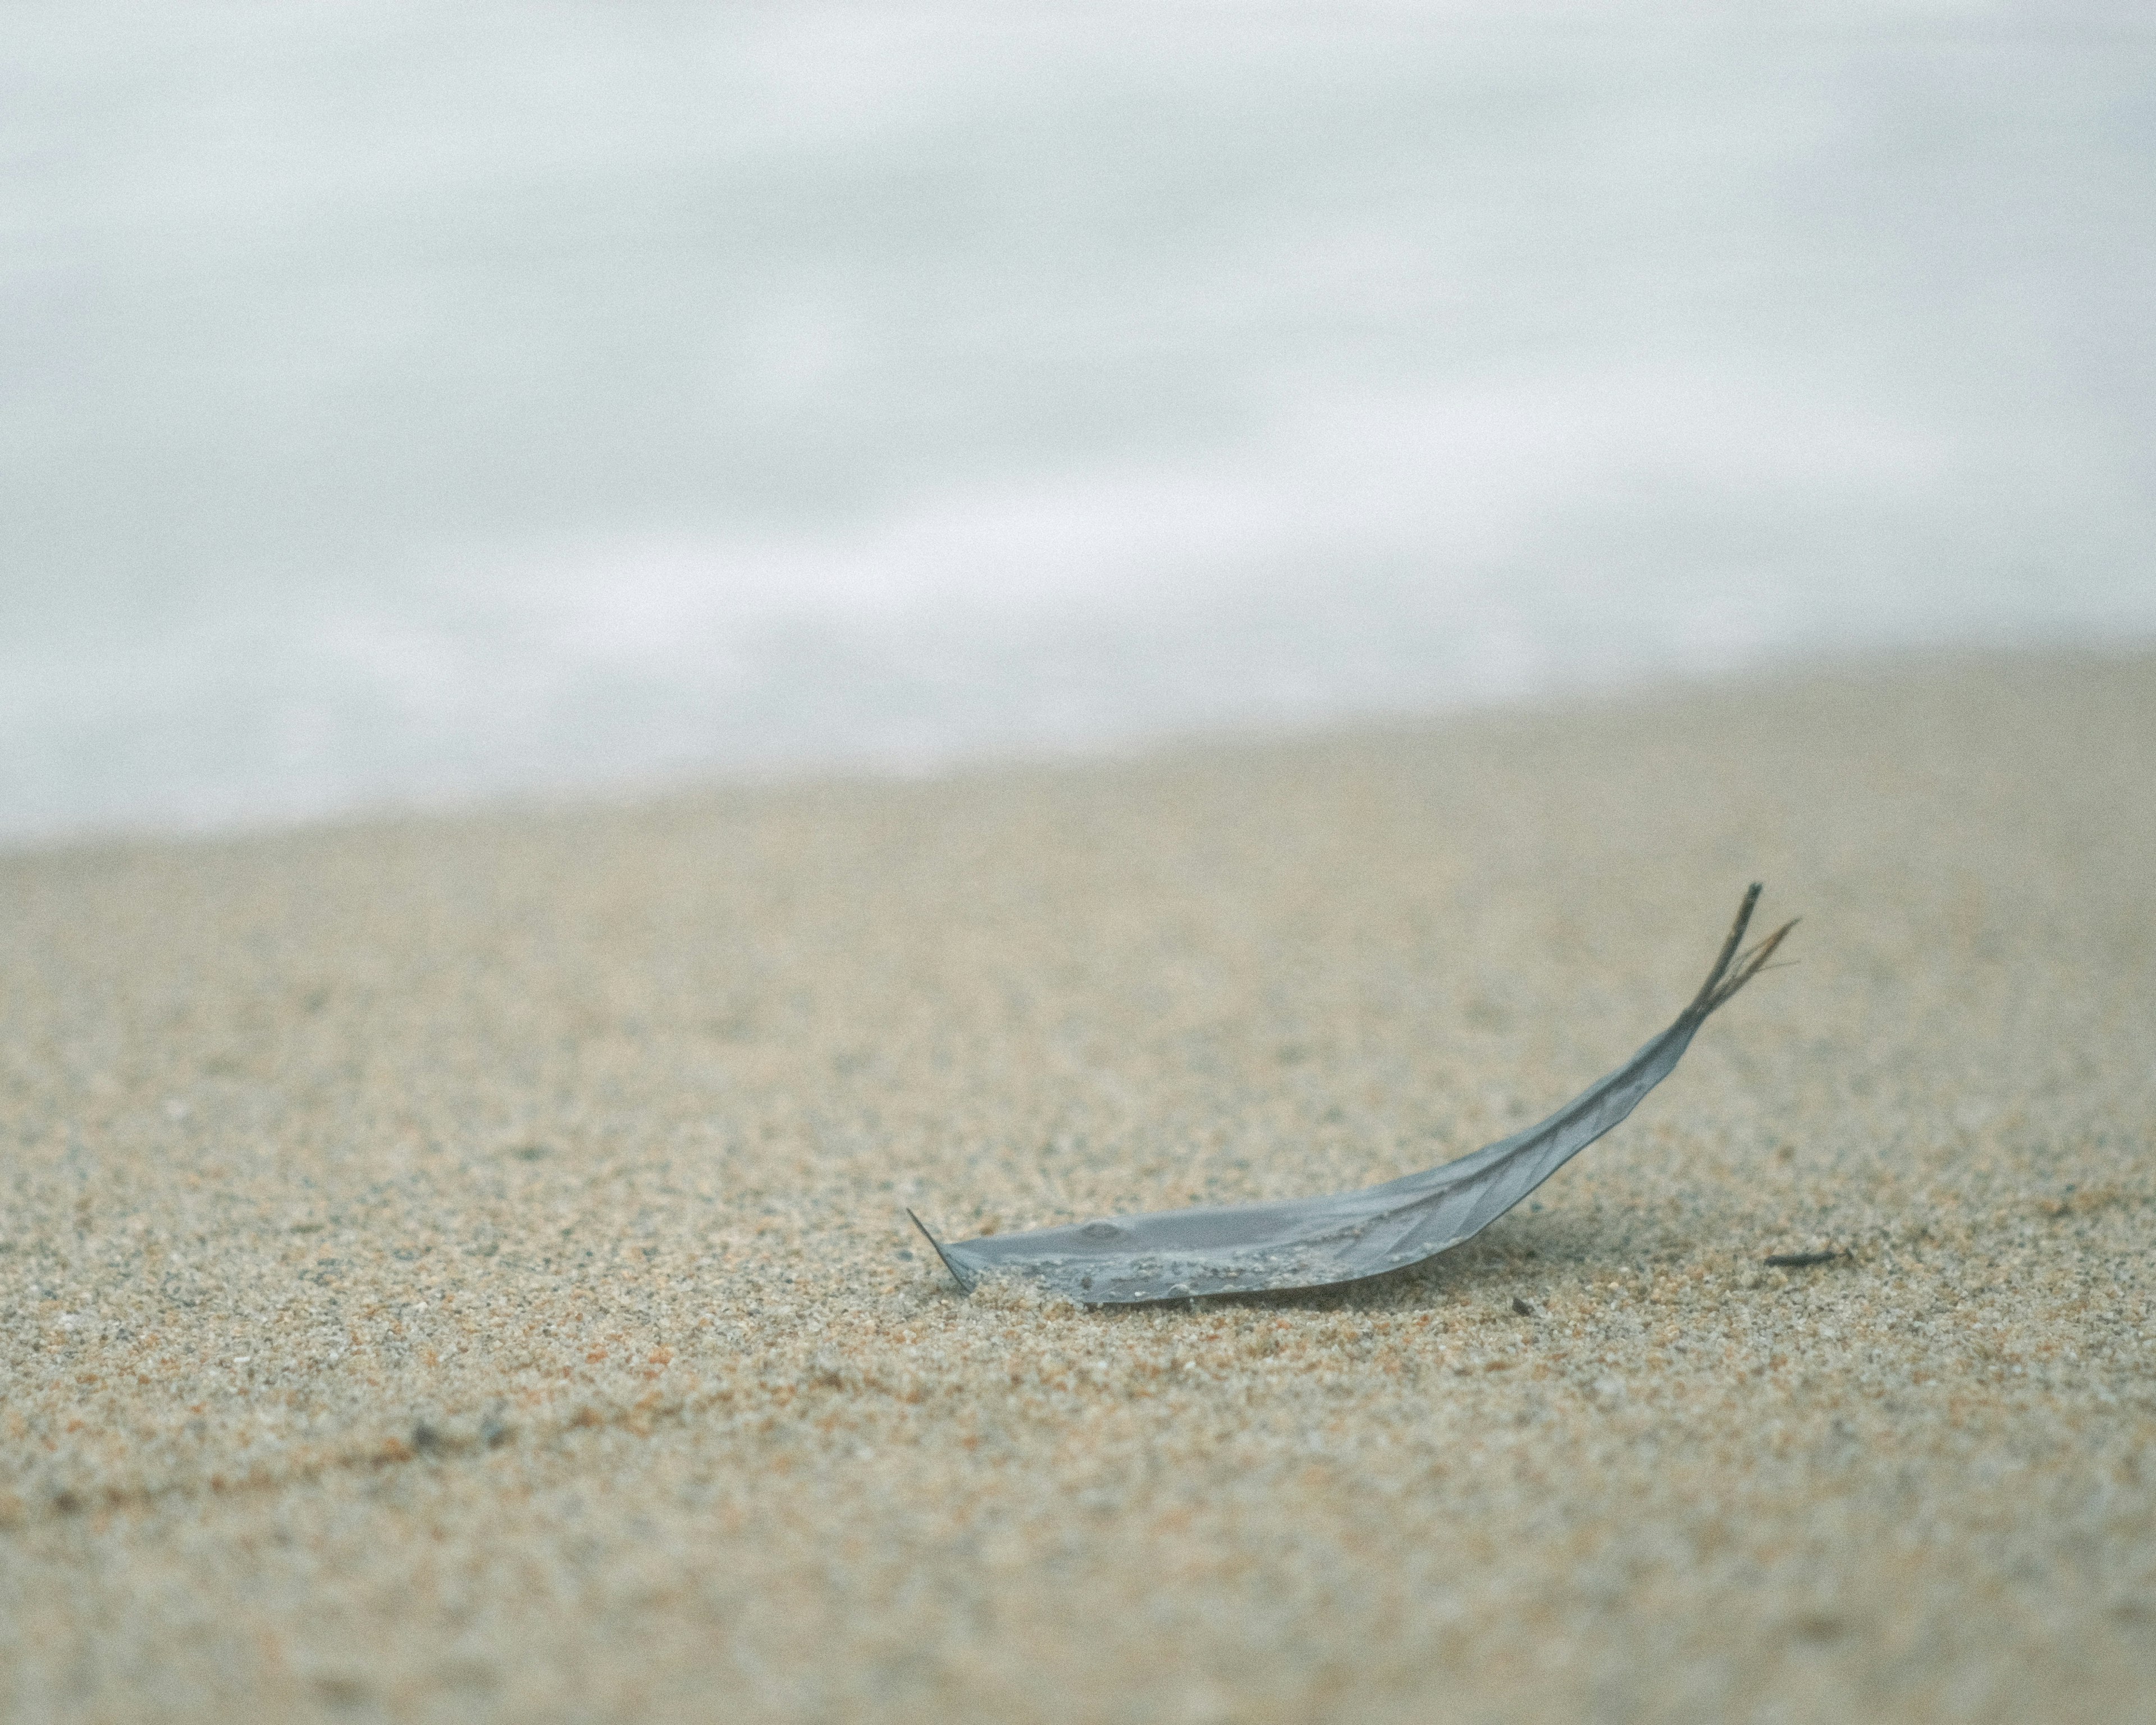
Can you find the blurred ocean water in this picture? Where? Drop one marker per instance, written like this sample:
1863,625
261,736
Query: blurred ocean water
412,403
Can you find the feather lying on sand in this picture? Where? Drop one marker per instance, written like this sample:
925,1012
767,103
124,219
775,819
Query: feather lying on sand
1312,1242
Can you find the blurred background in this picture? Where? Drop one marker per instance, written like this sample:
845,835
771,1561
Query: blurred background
407,404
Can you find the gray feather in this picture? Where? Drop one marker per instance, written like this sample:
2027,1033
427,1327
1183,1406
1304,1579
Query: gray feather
1312,1242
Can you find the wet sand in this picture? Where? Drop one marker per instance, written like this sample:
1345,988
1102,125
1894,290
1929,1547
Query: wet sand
456,1269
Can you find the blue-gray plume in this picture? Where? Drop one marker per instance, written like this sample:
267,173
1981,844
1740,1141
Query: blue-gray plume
1311,1242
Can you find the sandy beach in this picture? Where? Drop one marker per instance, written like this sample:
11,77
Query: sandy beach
458,1268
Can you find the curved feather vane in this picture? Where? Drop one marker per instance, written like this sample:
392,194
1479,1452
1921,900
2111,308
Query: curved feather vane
1311,1242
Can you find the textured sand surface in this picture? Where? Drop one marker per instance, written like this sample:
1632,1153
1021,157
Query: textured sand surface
456,1270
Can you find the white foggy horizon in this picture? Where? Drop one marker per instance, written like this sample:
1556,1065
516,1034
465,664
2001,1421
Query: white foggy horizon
415,404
